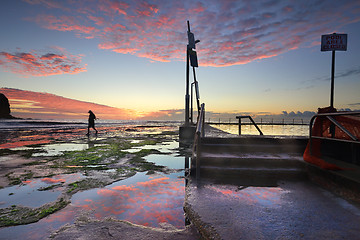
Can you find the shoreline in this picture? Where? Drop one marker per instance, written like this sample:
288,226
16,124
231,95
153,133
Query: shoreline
22,166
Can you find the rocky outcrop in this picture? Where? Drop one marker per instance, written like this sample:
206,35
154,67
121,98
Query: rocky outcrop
5,107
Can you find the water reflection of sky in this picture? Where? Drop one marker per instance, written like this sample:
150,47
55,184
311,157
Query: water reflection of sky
28,194
142,199
266,196
169,161
166,147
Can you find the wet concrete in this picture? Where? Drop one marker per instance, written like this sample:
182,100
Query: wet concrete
249,198
292,210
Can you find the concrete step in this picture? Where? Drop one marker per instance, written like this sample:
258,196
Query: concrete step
242,148
252,162
252,176
301,141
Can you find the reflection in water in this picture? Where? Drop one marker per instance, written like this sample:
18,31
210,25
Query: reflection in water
166,147
57,149
277,130
267,196
142,199
169,161
29,193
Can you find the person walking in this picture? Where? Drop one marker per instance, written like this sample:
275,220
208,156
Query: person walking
92,118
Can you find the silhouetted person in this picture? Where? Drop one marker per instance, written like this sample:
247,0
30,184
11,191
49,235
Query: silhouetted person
92,118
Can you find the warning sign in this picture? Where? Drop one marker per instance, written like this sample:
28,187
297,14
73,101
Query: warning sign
334,42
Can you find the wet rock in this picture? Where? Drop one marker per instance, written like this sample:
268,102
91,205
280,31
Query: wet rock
109,228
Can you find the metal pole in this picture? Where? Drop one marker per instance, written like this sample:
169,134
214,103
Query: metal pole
196,91
191,104
332,79
187,97
332,126
239,126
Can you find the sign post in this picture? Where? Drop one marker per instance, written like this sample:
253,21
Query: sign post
187,131
191,59
333,42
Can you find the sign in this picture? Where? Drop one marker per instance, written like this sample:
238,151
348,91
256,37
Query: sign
334,42
193,58
191,39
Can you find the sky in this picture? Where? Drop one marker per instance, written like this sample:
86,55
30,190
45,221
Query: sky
128,58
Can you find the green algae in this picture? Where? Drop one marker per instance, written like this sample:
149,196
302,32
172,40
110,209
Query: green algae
18,179
17,215
108,155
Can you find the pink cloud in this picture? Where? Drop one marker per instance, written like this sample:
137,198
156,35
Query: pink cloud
37,64
157,31
64,24
45,105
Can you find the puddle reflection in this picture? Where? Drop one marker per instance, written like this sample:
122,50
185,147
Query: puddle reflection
163,147
266,196
142,199
167,161
30,193
57,149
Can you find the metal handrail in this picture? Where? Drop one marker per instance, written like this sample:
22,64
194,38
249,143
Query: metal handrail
200,132
201,120
253,122
330,116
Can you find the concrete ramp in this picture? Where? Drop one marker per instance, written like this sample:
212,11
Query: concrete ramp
260,188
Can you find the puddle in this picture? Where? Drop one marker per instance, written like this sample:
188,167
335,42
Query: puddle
142,199
29,193
266,196
163,148
57,149
169,161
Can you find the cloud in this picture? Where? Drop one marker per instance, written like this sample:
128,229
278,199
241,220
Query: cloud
44,105
349,72
311,83
231,32
42,64
354,104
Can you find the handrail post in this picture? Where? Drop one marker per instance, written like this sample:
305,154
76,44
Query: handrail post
198,156
200,132
255,125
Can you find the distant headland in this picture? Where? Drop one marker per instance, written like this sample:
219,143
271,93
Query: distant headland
5,108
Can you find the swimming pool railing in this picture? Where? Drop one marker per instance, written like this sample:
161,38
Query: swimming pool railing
331,117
